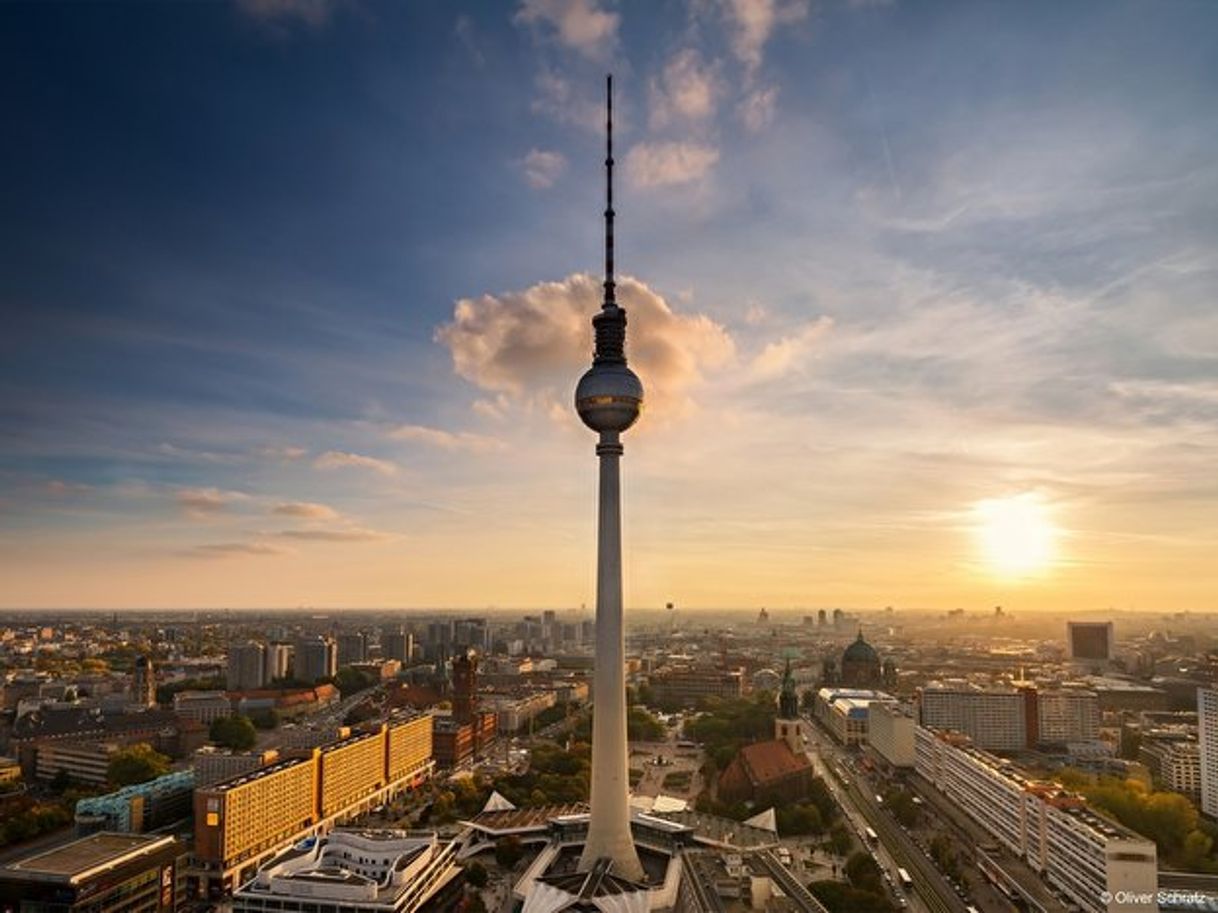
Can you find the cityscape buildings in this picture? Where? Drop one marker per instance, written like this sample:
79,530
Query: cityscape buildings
1100,865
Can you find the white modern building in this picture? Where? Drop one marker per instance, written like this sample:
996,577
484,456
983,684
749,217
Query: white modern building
1207,733
994,718
354,871
844,712
890,731
1102,866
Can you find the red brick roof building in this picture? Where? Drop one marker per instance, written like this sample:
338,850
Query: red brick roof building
766,771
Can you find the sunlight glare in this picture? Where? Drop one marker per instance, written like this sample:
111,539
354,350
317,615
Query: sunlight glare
1016,534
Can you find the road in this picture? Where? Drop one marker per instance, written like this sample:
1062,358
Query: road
933,894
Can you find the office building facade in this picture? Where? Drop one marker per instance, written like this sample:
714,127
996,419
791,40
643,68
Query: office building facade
1101,866
241,823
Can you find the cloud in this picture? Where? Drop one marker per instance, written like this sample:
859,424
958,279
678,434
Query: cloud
542,168
236,549
59,488
787,354
466,34
752,22
576,24
664,164
339,459
308,510
688,89
528,345
756,111
311,12
559,100
348,534
204,501
284,454
446,440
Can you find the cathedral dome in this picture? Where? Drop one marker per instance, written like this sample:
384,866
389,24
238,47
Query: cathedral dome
860,652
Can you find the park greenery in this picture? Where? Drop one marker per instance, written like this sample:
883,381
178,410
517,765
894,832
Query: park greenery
727,725
862,892
233,732
1184,839
25,820
641,726
901,803
134,764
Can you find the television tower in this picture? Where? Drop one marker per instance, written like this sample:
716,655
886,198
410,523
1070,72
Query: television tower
608,399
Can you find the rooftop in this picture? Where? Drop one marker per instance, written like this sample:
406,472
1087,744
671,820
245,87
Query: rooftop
72,862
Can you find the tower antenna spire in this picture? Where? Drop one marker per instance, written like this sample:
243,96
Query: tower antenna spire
610,298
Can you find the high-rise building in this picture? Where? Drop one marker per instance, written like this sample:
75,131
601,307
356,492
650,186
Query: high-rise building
143,682
1090,641
465,684
278,662
996,719
1066,715
316,657
397,644
352,648
608,399
246,666
1207,732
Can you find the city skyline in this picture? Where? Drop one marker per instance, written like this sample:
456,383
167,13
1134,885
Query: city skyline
919,297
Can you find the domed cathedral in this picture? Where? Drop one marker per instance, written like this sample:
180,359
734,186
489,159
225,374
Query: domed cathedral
860,666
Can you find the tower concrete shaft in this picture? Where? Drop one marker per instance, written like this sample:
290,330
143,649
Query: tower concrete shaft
609,825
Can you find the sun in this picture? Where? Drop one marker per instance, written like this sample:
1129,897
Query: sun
1016,534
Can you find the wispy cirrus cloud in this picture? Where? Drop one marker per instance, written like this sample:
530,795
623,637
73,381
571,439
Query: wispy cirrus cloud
447,440
236,550
687,89
666,164
201,502
752,22
542,168
340,534
341,459
579,25
306,510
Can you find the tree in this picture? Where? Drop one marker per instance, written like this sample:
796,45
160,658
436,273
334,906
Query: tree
234,732
841,898
265,719
136,764
864,873
508,851
840,840
476,874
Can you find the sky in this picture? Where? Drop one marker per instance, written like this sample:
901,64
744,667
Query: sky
295,294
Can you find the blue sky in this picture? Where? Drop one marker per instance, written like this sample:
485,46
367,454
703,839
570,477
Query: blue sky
294,297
